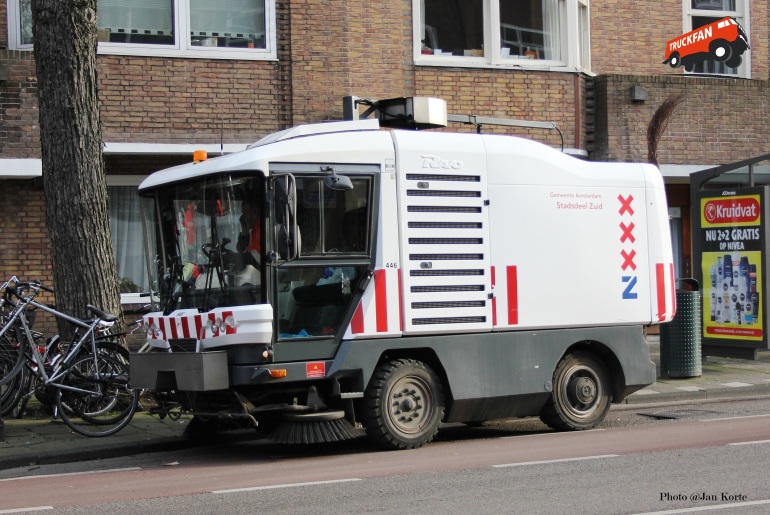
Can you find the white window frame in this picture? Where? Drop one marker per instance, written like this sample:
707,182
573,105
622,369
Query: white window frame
182,46
741,14
575,49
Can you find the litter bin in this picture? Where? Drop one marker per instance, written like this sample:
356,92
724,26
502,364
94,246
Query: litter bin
680,339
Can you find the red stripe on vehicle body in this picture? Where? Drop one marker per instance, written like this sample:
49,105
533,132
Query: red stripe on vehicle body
660,283
381,300
513,295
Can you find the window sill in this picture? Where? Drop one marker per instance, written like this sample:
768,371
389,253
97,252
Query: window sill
501,64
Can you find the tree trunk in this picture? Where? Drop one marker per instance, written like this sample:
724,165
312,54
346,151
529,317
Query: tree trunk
73,168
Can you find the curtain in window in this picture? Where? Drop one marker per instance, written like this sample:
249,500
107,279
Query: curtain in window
551,30
127,238
227,17
155,16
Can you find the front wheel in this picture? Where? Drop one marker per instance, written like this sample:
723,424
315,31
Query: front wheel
403,404
581,393
95,397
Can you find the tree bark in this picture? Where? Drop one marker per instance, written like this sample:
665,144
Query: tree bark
73,168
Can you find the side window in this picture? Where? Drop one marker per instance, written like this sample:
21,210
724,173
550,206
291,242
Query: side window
333,222
315,291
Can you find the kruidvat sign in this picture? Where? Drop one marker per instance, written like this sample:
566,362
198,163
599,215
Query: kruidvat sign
732,263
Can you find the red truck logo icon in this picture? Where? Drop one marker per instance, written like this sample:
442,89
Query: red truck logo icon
723,40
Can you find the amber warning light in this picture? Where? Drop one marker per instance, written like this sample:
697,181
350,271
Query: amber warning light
199,155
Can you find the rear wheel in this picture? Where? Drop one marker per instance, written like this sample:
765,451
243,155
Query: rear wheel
403,404
674,61
11,355
581,393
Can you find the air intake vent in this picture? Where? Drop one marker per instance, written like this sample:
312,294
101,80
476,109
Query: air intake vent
444,273
449,304
444,225
449,257
442,209
453,320
437,177
443,193
445,241
443,289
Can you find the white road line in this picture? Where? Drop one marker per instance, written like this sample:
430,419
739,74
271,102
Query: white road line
708,508
71,474
749,443
24,510
558,433
731,418
562,460
289,485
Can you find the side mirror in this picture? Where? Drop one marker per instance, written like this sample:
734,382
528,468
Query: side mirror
333,181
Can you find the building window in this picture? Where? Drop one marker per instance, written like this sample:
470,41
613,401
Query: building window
703,12
532,33
219,29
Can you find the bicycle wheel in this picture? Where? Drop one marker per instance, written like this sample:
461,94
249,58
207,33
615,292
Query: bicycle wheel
103,402
11,356
12,391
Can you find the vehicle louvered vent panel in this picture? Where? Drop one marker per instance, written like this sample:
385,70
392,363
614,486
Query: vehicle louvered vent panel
446,237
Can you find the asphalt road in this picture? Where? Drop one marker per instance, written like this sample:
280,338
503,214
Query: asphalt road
644,459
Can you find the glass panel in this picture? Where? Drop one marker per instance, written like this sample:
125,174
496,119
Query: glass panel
710,65
25,15
127,240
333,222
227,23
136,21
530,29
313,299
714,5
453,28
209,250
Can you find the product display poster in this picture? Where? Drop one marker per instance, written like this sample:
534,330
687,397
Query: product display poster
732,244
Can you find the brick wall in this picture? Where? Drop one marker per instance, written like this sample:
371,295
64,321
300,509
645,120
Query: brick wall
719,121
535,96
341,48
19,136
25,249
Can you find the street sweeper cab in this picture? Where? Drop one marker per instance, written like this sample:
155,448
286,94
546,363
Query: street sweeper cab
340,276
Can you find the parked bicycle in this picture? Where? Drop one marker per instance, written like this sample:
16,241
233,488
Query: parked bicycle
87,378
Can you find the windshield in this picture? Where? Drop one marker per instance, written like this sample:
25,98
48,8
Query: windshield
205,241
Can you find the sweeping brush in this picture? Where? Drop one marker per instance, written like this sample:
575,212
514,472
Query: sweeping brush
310,428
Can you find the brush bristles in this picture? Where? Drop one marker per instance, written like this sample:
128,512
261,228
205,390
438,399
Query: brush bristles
316,431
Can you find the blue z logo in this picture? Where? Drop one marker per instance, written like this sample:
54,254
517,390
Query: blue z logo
627,293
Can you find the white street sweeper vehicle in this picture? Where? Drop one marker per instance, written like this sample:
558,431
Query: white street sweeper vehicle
340,275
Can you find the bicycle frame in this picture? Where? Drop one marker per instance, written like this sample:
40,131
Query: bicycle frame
24,301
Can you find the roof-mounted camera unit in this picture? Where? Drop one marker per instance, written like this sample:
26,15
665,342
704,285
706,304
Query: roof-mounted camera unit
400,113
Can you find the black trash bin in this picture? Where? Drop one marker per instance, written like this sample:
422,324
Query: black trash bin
680,339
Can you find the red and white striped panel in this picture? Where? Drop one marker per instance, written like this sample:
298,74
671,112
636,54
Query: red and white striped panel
665,291
379,311
505,303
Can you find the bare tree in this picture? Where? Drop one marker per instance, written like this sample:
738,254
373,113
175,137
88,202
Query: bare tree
73,168
659,123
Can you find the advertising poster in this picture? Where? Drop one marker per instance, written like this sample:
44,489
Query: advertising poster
732,242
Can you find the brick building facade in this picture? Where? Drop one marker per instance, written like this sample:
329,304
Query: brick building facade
158,105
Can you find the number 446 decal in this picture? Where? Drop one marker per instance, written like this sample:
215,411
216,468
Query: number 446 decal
628,292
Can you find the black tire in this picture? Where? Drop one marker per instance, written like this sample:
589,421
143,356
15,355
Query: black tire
108,407
581,393
674,61
403,404
734,61
12,392
720,50
11,355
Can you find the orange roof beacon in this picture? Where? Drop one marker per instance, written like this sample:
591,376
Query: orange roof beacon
723,40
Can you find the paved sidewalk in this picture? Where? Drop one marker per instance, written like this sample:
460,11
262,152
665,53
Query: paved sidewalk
43,440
